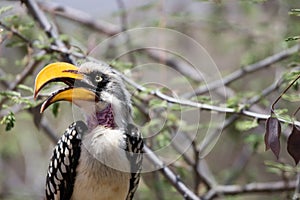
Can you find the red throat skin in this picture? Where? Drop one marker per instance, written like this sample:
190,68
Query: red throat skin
104,118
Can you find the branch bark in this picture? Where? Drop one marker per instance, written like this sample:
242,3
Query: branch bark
267,62
268,187
171,176
41,18
81,17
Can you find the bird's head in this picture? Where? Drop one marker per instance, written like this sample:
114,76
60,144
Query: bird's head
94,87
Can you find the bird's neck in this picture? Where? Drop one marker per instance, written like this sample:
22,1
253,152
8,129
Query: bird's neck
104,117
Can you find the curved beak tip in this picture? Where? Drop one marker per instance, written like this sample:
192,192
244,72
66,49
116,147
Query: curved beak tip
62,72
42,108
35,94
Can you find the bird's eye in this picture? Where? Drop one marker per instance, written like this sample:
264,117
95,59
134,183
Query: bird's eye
98,78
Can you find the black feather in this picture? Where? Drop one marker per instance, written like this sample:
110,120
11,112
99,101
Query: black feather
62,168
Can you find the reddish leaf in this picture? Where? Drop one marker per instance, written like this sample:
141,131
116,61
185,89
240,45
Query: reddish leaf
272,135
293,144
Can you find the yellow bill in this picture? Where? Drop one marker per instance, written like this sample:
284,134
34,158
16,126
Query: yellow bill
62,72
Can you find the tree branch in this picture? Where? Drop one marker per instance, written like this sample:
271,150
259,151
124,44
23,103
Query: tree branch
111,29
296,195
278,186
171,176
201,176
81,17
124,25
40,17
15,32
267,62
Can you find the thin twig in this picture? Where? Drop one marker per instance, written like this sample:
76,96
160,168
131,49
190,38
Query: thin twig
200,175
171,176
30,65
239,164
41,18
283,92
197,178
124,25
201,106
111,29
278,186
24,74
184,68
216,108
202,146
20,78
266,62
15,32
81,17
296,195
178,147
48,49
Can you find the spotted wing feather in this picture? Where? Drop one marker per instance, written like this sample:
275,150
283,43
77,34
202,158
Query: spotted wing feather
134,147
62,168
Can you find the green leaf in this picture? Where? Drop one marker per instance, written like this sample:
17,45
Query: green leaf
163,139
16,43
291,97
64,38
44,57
289,77
292,38
157,103
295,12
146,7
25,88
5,9
16,98
9,94
121,65
8,120
203,99
176,107
234,102
282,113
245,125
11,19
278,168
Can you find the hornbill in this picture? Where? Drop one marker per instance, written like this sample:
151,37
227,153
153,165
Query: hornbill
100,158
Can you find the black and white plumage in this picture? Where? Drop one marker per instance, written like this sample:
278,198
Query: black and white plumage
62,167
102,158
